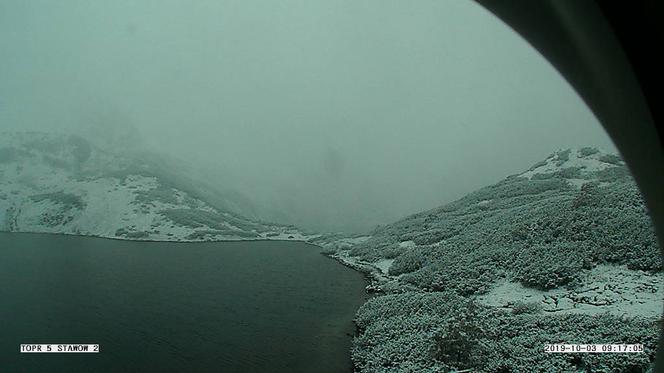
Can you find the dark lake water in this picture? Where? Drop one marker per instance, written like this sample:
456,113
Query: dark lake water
223,307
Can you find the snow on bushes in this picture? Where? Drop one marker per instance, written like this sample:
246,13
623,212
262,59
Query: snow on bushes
540,231
67,200
441,331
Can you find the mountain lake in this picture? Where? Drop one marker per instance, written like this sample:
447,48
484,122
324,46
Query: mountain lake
250,306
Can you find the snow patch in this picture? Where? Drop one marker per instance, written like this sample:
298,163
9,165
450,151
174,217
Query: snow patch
588,162
607,288
384,265
406,244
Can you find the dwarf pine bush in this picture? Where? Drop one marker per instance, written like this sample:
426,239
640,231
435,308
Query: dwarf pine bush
441,331
68,200
542,232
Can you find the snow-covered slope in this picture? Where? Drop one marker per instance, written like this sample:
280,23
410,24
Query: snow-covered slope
561,253
63,184
577,166
581,203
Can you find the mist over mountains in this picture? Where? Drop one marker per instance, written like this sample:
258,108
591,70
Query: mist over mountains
35,163
65,184
334,116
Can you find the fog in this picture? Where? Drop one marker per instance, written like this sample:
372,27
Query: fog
332,115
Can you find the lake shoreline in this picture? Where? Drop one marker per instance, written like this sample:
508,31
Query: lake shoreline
139,239
376,278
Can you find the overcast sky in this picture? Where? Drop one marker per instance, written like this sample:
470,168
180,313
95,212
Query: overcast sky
329,114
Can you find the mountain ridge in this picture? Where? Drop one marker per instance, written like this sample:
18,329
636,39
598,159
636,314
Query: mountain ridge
563,252
54,183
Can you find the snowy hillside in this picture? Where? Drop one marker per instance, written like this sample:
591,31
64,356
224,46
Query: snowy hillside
576,166
63,184
565,247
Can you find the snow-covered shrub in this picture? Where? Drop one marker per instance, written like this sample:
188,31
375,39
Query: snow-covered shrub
442,331
543,233
67,200
565,173
515,187
547,267
203,234
435,235
239,233
409,261
465,280
326,250
611,158
516,343
160,194
569,172
537,165
391,251
397,332
587,196
598,224
562,157
194,218
240,223
370,252
139,234
584,152
457,340
613,174
526,307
